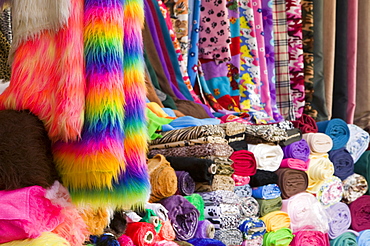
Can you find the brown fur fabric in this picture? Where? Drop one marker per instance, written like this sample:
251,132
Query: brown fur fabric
25,152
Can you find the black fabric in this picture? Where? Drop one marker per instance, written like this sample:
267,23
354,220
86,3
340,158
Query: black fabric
262,178
237,141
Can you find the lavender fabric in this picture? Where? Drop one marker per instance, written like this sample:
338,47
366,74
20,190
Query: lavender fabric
185,183
340,219
183,216
298,150
343,163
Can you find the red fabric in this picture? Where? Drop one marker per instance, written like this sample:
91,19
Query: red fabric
360,213
306,124
310,238
244,163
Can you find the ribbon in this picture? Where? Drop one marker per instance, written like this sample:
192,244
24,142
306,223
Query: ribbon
185,183
359,213
262,178
276,220
295,164
343,163
318,142
345,239
354,187
319,170
269,191
270,205
268,157
252,228
330,191
297,150
340,219
337,130
141,233
291,181
306,124
244,163
281,237
358,141
303,238
205,230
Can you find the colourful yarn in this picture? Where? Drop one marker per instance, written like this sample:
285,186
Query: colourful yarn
125,240
141,233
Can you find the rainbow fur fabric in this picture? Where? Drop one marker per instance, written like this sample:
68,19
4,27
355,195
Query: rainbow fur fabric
108,165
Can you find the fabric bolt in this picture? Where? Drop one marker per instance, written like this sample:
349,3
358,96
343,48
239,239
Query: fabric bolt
225,169
185,183
150,217
158,209
276,220
198,202
198,141
205,230
267,206
223,150
163,178
340,219
363,238
224,209
141,233
319,170
359,213
167,232
155,123
283,91
4,53
233,128
343,163
270,191
183,215
222,182
244,163
354,187
270,132
218,197
202,187
199,169
243,191
281,237
6,24
125,240
294,135
306,213
262,178
241,180
318,142
268,157
26,213
237,142
362,167
297,150
345,239
302,238
229,236
258,241
183,243
296,164
330,192
252,228
308,54
248,207
291,181
358,141
337,130
306,124
205,241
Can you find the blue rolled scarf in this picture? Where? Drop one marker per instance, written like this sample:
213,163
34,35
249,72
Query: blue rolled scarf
337,130
252,228
343,163
269,191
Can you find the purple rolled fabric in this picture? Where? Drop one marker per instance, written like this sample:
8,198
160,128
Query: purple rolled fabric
183,216
340,219
297,150
343,163
205,230
185,183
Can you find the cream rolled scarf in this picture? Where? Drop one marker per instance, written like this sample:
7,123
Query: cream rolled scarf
358,141
320,169
268,156
318,142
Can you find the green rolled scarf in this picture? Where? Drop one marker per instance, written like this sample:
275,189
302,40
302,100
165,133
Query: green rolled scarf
345,239
198,203
281,237
152,218
269,205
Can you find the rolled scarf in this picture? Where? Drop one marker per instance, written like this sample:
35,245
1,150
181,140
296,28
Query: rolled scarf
358,141
205,242
188,133
158,209
362,167
224,169
276,220
222,182
125,240
306,213
291,181
270,205
363,238
354,187
360,213
244,163
203,150
223,216
302,238
163,178
318,142
268,157
269,191
45,239
258,241
199,169
198,202
343,163
269,132
218,197
141,233
252,228
320,169
337,130
281,237
229,236
164,243
330,191
233,128
262,178
26,213
167,232
205,230
294,135
185,183
340,219
345,239
150,217
190,142
183,215
248,207
243,191
240,180
306,124
295,164
202,187
297,150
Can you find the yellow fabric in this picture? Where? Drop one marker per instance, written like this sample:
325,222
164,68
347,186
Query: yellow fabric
46,239
319,169
155,108
276,220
